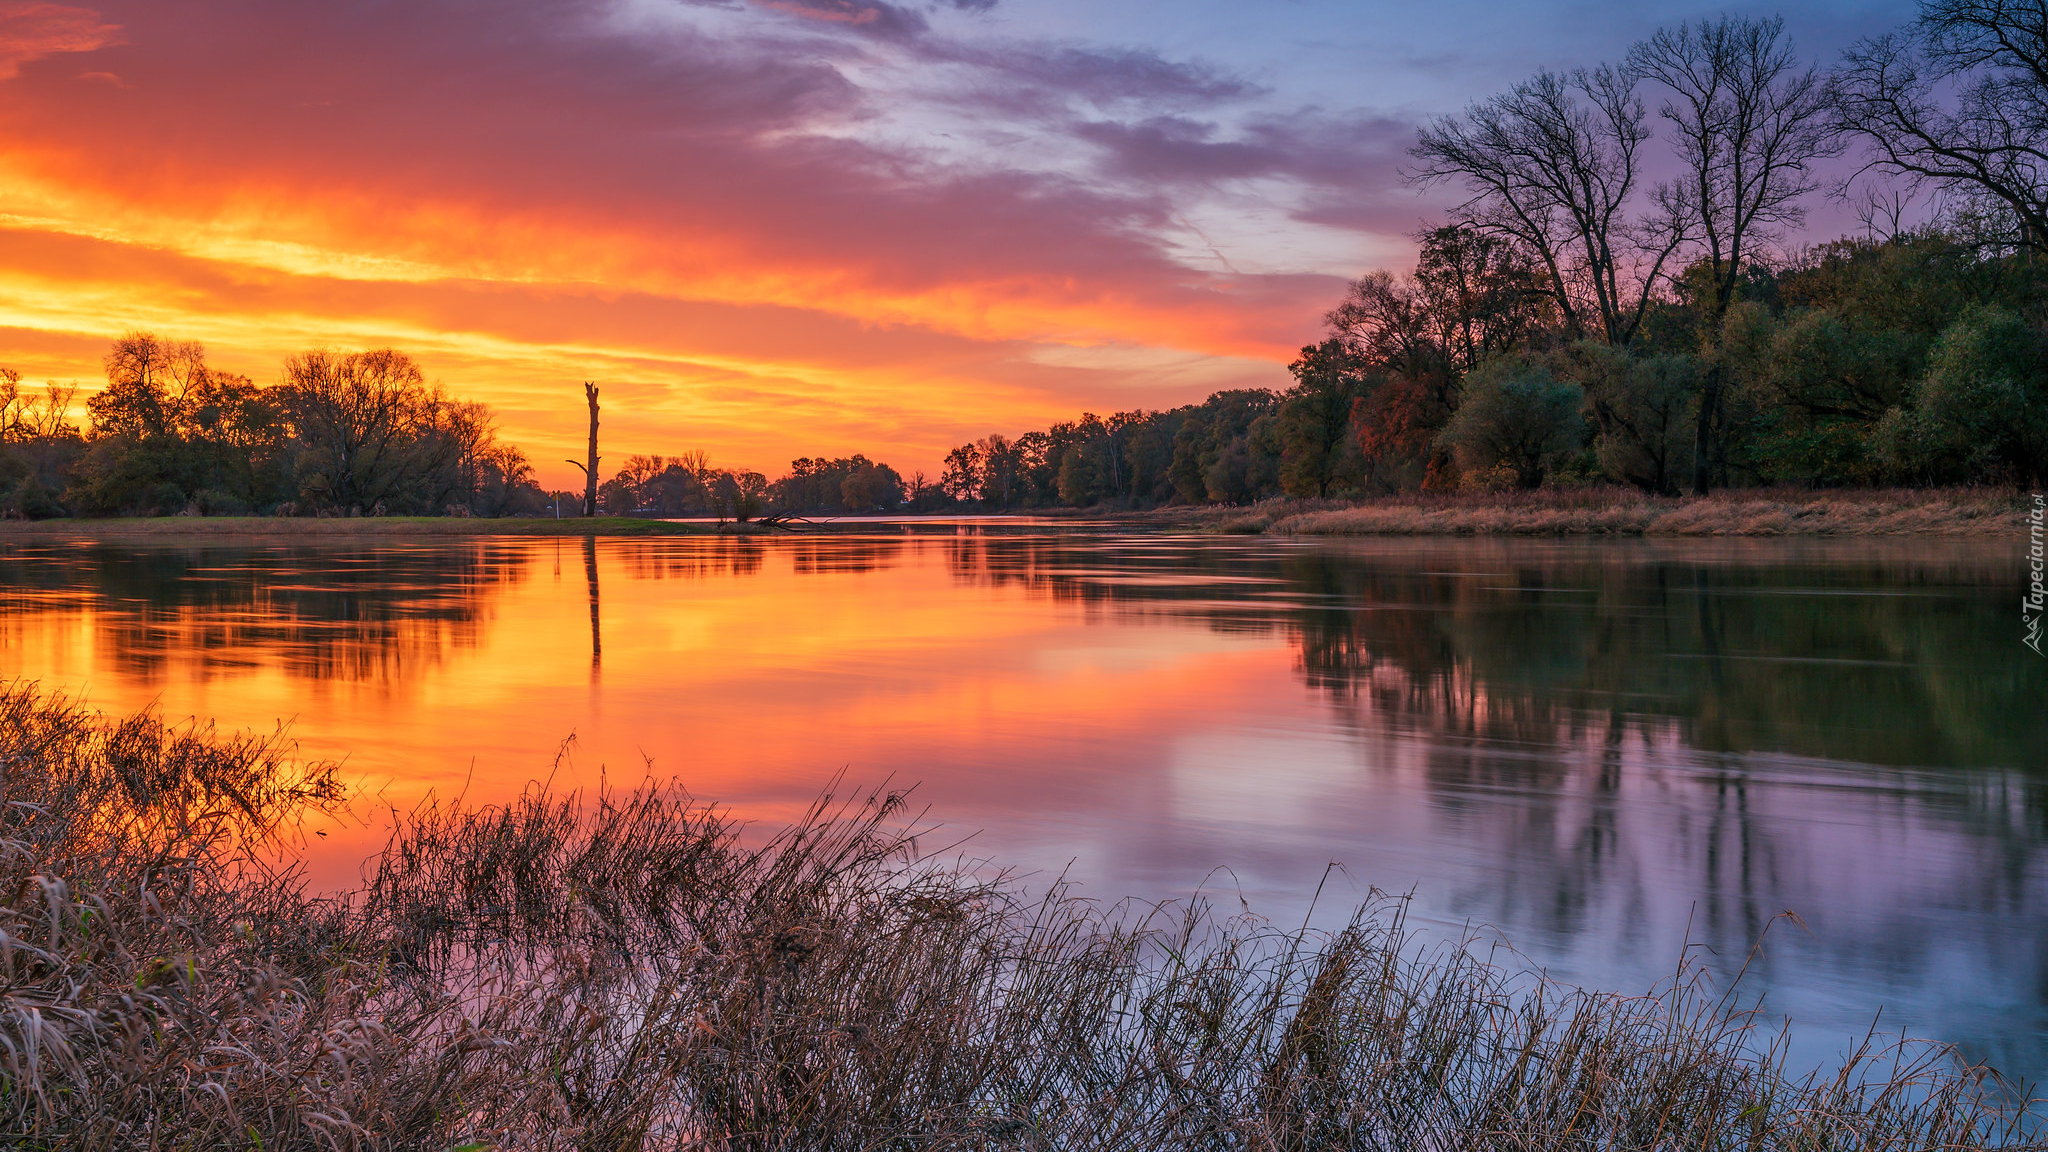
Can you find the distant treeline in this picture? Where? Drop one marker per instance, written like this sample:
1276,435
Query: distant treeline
687,485
1912,360
345,434
1572,322
341,434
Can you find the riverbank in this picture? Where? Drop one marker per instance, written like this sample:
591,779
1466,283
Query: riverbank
1974,512
614,970
234,527
1971,512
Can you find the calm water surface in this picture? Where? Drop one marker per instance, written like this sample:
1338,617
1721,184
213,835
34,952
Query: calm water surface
1597,750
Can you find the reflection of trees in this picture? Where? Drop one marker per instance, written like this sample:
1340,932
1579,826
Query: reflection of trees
843,554
1625,745
331,613
1860,652
696,559
590,581
702,558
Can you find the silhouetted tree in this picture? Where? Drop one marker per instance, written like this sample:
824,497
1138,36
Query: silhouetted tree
1958,101
1750,123
1554,166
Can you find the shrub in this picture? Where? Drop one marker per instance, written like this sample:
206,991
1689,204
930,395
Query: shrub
1515,414
1981,414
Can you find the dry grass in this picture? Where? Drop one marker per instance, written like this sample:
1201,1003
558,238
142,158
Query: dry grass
1627,512
625,971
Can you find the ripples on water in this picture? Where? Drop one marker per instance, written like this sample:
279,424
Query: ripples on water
1600,750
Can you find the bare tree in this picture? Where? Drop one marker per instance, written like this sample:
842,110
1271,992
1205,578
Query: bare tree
149,385
590,469
1473,294
1386,319
1750,124
365,424
1554,165
1958,101
25,416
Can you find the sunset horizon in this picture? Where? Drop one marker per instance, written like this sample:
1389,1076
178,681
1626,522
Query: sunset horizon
704,208
768,230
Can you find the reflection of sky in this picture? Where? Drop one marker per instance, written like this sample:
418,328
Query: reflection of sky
770,228
1554,755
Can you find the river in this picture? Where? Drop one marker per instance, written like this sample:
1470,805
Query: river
1598,752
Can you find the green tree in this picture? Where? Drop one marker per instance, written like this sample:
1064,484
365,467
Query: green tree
1982,411
1642,407
1318,452
1515,415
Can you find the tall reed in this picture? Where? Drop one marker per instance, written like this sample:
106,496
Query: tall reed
625,970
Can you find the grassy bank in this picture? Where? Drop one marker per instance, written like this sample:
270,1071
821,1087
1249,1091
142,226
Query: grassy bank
1628,512
626,971
1977,512
133,527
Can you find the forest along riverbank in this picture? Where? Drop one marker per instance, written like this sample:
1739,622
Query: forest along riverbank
605,968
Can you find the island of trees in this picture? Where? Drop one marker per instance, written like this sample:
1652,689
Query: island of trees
1570,323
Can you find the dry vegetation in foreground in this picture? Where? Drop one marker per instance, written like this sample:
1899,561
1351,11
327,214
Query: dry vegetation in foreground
623,971
1629,512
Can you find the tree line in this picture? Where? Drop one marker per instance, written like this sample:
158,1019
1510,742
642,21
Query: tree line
348,434
1573,322
1570,322
687,486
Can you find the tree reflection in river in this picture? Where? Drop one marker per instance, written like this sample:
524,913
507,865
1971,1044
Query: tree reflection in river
1634,745
1886,658
368,611
1603,749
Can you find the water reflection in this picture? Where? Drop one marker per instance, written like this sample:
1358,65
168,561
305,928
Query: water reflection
663,559
1621,749
366,612
1604,750
1875,654
596,617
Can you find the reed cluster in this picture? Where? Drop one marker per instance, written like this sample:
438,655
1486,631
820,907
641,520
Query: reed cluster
629,970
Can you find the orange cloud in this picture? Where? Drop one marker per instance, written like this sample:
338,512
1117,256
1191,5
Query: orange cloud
31,30
698,222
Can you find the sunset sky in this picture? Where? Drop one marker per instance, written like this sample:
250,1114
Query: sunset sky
768,228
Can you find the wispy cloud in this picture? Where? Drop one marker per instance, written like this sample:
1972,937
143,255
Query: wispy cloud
31,30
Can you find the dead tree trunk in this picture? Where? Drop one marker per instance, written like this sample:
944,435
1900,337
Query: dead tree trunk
590,469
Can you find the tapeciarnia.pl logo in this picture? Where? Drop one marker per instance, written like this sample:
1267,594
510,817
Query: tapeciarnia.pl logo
2037,598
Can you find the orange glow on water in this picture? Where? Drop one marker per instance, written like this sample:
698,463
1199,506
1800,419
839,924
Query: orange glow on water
1565,740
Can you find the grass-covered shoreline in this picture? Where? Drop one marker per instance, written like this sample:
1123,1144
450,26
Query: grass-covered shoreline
1605,511
626,970
1973,512
128,527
